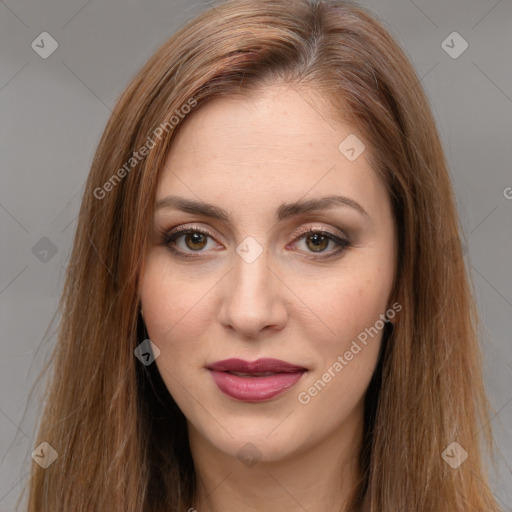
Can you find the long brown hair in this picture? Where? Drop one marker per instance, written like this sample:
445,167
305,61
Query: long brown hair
121,439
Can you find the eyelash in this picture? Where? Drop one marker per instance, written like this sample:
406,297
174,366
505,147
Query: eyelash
168,237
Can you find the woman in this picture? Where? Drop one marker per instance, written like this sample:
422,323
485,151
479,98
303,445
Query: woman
267,304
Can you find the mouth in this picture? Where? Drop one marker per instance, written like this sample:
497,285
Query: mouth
255,381
257,374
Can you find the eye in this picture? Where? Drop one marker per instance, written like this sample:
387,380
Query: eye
195,240
317,241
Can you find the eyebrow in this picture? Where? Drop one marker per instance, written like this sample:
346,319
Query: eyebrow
284,211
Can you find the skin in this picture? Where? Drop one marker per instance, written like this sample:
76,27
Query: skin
249,155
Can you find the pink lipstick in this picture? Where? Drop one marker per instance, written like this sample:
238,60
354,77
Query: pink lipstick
254,381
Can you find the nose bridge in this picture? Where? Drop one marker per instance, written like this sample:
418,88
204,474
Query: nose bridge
251,276
251,300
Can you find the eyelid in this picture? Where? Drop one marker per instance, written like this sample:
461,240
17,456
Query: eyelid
304,230
297,233
186,228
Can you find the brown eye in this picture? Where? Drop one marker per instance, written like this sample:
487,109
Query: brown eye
186,240
317,242
195,240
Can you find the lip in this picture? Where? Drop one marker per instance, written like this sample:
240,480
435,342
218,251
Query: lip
255,388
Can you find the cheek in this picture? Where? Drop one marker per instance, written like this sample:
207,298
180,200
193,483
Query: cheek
171,300
353,307
351,301
178,317
346,360
168,306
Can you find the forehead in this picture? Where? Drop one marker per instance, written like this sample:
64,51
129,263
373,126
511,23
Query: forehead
276,143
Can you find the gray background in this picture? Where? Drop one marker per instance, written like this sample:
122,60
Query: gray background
54,110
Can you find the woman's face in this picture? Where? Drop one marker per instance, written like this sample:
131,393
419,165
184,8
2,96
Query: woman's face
246,281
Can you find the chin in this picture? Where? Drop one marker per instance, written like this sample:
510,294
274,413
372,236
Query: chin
249,442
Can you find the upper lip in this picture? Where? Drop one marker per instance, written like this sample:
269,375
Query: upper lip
257,366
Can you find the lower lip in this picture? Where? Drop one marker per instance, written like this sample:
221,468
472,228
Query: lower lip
255,389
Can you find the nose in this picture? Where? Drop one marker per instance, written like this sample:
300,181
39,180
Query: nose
252,298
